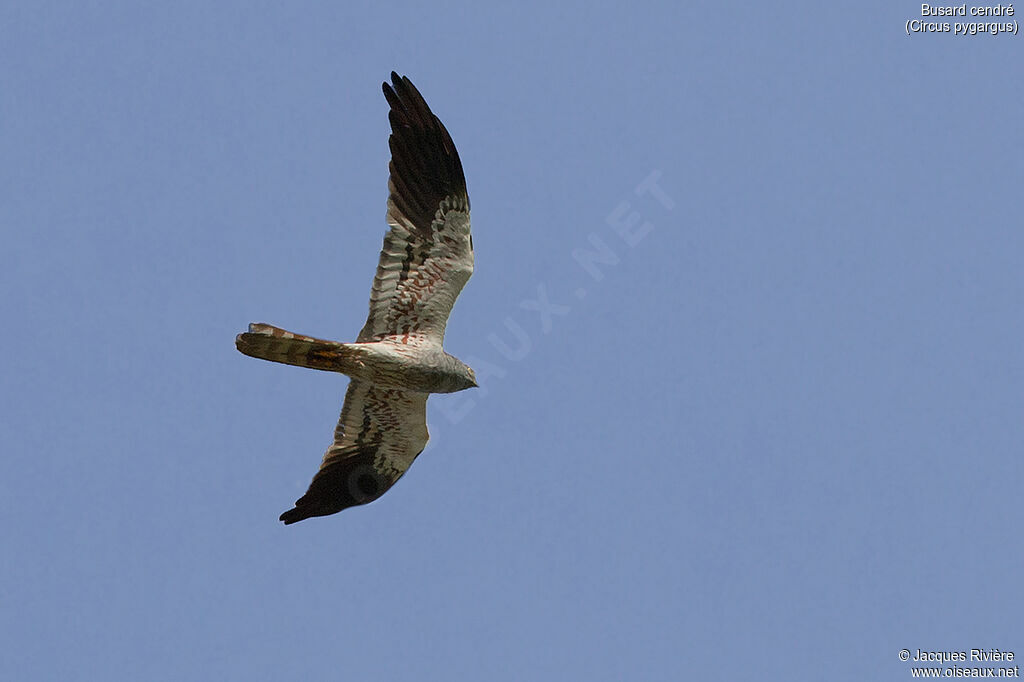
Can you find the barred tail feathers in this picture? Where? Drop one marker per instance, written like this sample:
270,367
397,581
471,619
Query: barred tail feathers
267,342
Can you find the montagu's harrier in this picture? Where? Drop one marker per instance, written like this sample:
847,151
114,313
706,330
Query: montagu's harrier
397,360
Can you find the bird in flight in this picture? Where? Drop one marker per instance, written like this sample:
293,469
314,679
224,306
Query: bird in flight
396,361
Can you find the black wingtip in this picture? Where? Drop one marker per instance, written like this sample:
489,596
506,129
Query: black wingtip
293,516
425,168
349,481
396,82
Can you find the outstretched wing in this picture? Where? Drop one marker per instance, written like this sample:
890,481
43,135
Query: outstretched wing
428,254
379,434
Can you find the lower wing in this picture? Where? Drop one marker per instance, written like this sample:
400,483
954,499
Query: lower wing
379,434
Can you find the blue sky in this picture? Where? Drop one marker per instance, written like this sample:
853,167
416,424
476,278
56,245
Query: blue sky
774,432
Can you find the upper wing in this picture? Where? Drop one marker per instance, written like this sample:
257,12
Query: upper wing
428,254
380,433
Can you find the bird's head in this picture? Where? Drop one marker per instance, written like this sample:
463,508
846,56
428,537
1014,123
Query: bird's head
456,375
463,379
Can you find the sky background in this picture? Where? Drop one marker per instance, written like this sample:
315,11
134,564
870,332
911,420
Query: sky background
773,431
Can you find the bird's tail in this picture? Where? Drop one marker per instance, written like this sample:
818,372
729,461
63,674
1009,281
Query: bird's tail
267,342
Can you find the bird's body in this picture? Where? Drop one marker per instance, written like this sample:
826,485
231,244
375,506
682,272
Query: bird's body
419,367
397,359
